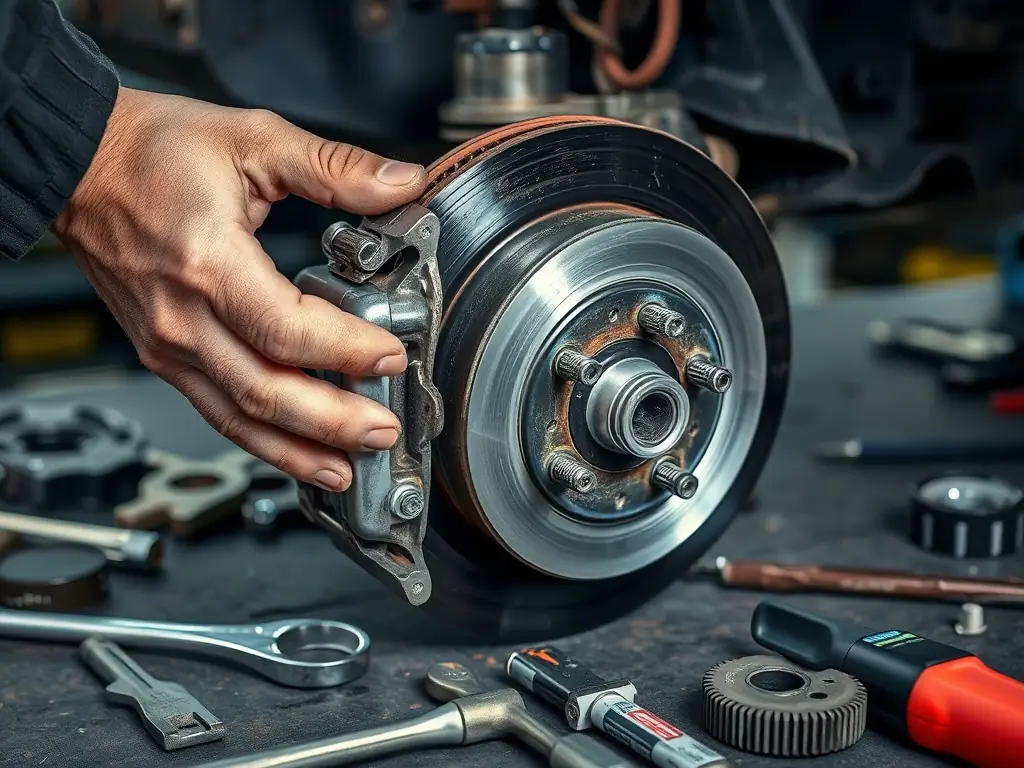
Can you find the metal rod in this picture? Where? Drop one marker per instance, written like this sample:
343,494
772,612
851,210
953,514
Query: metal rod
441,727
138,549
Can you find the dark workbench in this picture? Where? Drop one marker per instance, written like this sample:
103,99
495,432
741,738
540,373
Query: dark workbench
51,708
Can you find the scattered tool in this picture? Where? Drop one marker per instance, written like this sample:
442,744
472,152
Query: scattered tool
966,515
278,650
776,577
272,500
469,716
171,714
933,341
187,495
942,698
770,706
917,451
972,620
69,455
56,577
589,701
135,549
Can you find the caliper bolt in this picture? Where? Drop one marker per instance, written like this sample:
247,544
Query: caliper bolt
661,321
703,373
575,366
406,501
669,476
565,469
344,245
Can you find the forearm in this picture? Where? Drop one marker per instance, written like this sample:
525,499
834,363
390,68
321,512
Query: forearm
56,93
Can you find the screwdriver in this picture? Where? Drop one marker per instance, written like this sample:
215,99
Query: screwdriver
940,697
589,701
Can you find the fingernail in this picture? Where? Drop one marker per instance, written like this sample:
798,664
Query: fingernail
330,480
380,439
392,365
396,174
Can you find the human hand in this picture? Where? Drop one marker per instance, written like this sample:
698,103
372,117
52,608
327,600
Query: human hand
162,224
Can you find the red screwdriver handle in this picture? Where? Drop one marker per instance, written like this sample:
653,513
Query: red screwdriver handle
966,709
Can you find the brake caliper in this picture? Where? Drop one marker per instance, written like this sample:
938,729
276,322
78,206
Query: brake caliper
385,272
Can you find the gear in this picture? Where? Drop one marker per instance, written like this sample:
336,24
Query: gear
58,456
770,706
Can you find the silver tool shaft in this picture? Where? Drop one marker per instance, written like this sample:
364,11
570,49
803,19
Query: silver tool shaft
440,728
171,714
137,549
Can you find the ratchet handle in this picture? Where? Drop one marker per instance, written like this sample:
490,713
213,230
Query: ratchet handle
967,709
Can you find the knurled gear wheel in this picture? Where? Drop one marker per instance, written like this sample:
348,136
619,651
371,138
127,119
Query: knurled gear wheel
770,706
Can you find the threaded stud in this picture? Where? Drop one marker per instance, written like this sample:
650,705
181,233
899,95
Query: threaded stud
567,470
703,373
572,365
670,477
661,321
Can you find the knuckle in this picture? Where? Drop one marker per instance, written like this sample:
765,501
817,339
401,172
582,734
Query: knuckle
336,430
153,362
263,121
260,401
337,160
233,427
282,339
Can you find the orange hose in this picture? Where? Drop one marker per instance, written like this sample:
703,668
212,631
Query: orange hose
664,45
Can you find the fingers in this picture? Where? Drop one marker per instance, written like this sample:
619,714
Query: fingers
302,459
289,399
298,330
286,159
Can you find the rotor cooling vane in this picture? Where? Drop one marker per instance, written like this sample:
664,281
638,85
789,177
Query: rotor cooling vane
598,339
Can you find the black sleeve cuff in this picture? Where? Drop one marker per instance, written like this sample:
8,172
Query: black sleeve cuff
50,129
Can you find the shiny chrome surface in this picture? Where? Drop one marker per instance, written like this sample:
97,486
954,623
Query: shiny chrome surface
610,256
638,409
300,653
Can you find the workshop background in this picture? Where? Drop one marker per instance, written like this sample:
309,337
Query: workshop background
881,144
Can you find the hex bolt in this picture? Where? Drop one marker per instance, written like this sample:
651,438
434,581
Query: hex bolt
703,373
661,321
972,620
406,501
575,366
565,469
670,477
344,245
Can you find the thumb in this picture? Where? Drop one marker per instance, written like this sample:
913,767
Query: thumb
331,173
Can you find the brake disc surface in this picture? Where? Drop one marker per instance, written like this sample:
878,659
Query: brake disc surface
554,234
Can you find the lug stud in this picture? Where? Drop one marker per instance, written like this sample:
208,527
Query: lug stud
575,366
703,373
565,469
661,321
670,477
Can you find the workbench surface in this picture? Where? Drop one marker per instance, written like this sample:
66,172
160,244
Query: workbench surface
52,711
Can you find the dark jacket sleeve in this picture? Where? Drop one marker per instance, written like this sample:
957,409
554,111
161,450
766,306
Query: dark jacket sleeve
56,93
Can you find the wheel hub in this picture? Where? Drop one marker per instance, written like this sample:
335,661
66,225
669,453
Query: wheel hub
577,280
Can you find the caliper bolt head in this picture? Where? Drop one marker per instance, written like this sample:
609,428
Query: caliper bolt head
344,245
661,321
406,501
565,469
575,366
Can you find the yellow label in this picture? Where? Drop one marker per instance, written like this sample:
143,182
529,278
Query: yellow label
48,339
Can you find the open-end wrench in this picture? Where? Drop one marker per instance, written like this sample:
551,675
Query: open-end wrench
471,715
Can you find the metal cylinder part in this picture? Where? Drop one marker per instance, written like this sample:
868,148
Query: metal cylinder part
671,477
516,65
638,409
661,321
346,246
575,366
136,549
566,470
703,373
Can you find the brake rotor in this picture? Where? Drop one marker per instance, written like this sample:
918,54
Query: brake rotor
554,232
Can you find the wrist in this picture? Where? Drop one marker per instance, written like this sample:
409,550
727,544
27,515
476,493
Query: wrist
113,143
